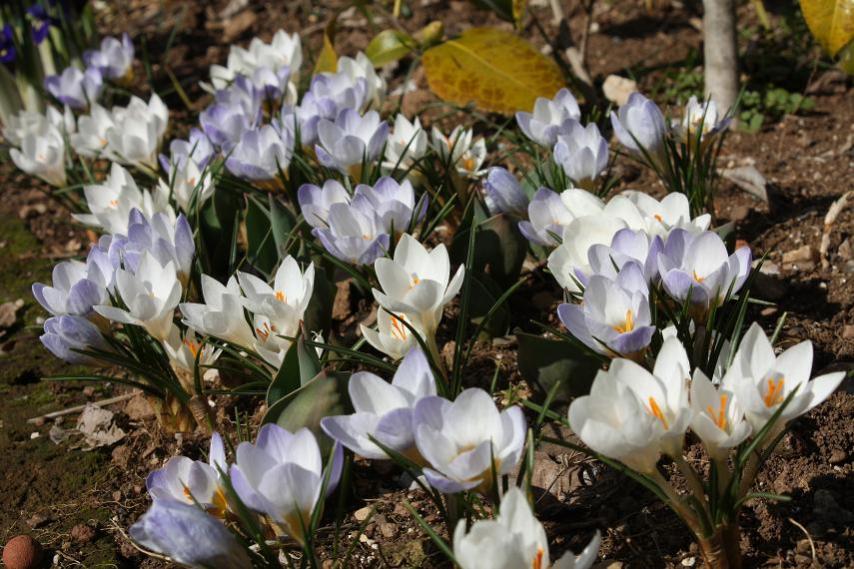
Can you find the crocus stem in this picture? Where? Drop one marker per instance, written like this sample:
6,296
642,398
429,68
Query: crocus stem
693,479
436,356
723,474
748,474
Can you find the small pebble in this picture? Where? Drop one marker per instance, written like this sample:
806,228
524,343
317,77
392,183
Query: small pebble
22,552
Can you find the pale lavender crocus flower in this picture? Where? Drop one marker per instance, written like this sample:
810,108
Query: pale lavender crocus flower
328,95
236,110
351,139
114,59
315,201
197,149
65,335
639,126
614,316
550,118
261,154
393,203
582,152
547,217
165,238
354,233
627,245
75,88
76,288
504,193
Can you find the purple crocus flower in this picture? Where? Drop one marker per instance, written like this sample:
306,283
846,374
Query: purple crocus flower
393,203
114,59
315,201
354,233
504,193
40,21
8,52
66,335
695,267
350,139
582,153
76,286
627,246
166,240
328,95
547,216
197,148
235,110
614,316
272,83
75,88
550,118
189,537
639,124
261,154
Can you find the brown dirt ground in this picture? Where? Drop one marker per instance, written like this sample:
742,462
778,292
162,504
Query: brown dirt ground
49,490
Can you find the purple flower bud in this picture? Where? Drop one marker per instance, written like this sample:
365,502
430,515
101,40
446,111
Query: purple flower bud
114,59
582,153
550,118
198,149
639,124
393,203
315,201
64,336
75,88
350,139
504,193
547,215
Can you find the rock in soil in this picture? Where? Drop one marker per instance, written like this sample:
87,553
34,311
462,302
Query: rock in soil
22,552
798,255
82,533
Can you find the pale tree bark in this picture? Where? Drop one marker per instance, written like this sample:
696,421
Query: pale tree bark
720,52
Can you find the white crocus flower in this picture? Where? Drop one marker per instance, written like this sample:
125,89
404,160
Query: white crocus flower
392,337
571,257
664,392
416,282
466,440
718,419
138,131
672,212
151,295
183,351
31,122
90,140
187,182
612,421
222,314
42,155
384,411
458,150
110,203
361,67
406,144
763,381
515,539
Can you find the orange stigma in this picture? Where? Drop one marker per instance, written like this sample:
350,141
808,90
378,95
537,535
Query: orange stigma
774,395
537,563
628,325
656,412
280,296
719,418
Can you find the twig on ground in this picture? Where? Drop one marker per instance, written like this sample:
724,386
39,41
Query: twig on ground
829,219
80,408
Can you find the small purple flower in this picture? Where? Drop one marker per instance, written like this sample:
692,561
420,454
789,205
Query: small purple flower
550,118
393,203
75,88
66,336
328,95
8,51
627,246
582,153
235,111
261,154
614,316
695,267
350,139
547,216
77,286
197,149
166,240
114,59
639,124
189,537
354,234
504,193
40,21
314,201
273,84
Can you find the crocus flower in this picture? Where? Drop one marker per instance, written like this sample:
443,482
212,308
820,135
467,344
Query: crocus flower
27,122
392,336
42,155
90,140
315,201
222,313
504,193
261,154
8,52
627,246
183,351
672,212
285,51
406,144
416,282
514,539
718,418
40,21
547,216
271,83
64,336
384,411
225,122
570,261
393,203
350,140
150,294
700,118
165,237
354,233
196,149
464,441
639,126
612,421
582,153
188,184
111,202
696,268
360,67
459,151
286,300
189,536
550,118
328,95
114,59
139,128
281,476
192,481
614,316
762,381
76,288
75,88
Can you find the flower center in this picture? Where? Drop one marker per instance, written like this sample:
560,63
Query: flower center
657,413
469,163
192,346
398,329
774,395
280,296
658,218
698,278
537,563
628,325
114,203
719,418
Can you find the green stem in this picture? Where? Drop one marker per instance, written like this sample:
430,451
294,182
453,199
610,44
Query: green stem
693,479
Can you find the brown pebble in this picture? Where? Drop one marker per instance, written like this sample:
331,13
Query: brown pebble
848,331
838,456
22,552
82,533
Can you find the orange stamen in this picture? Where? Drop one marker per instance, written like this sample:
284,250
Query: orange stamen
280,296
720,419
537,563
398,329
774,395
628,325
698,278
656,412
192,346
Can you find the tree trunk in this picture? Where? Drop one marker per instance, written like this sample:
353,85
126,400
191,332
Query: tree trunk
720,52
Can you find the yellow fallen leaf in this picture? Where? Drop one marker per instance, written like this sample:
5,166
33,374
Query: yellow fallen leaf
498,70
327,60
831,22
